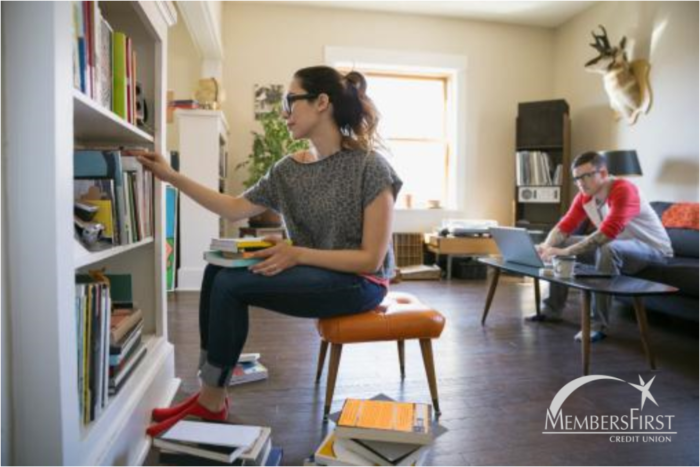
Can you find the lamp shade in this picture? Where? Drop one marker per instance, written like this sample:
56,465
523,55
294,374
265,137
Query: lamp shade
624,163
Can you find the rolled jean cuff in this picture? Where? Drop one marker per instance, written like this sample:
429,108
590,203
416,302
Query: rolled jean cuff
215,376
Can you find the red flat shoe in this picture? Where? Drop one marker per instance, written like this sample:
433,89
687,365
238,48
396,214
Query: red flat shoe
161,414
194,410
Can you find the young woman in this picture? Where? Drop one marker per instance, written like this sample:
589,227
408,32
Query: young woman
337,204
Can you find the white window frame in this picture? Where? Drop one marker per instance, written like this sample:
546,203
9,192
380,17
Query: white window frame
454,67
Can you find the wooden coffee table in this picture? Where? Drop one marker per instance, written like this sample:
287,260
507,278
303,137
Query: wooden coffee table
616,285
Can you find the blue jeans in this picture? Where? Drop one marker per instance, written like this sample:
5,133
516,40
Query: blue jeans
627,256
301,291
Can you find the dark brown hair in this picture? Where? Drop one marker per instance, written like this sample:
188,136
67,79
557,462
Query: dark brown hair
594,158
353,112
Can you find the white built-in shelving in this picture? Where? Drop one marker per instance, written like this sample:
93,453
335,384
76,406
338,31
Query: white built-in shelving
44,120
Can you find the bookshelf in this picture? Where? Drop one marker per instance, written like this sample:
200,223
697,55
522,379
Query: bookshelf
44,119
541,197
203,138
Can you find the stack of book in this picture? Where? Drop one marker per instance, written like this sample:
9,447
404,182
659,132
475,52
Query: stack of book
104,61
121,190
378,432
235,252
125,347
191,442
248,369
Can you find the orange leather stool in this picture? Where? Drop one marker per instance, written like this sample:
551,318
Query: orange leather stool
400,317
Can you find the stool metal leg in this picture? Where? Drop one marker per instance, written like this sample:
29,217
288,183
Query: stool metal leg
321,360
402,358
426,348
537,296
333,364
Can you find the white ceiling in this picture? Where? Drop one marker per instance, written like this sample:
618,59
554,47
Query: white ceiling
545,13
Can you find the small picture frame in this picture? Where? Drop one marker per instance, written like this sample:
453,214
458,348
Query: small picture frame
266,97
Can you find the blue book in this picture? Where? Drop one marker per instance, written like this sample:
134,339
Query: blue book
217,258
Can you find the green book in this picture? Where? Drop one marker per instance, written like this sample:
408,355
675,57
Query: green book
119,74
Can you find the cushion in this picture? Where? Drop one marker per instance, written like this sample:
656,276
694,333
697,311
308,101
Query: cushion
684,241
682,216
400,317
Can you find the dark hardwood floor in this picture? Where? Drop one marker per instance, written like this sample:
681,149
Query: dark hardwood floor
495,382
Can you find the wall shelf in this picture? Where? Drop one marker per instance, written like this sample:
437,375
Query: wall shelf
95,124
84,257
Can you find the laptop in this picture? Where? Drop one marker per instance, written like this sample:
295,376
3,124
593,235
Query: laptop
517,247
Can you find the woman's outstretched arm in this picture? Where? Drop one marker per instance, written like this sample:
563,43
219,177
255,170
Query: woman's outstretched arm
227,206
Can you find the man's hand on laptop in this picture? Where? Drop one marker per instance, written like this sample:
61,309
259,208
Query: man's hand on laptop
548,252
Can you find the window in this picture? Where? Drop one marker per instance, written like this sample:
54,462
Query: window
414,127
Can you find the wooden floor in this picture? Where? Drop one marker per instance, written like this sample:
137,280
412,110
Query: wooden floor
495,382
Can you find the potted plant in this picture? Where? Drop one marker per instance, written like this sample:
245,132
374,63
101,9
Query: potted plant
269,146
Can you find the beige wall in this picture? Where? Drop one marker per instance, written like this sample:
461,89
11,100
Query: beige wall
265,44
5,346
666,33
184,66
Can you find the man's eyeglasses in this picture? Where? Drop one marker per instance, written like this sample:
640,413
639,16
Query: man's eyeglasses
290,99
585,176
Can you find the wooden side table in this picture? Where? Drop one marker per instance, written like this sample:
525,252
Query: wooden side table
482,245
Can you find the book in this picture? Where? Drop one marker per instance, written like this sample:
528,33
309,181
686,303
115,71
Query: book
383,453
257,454
217,259
236,245
120,348
247,372
221,442
399,422
248,357
116,359
333,452
119,88
123,320
118,381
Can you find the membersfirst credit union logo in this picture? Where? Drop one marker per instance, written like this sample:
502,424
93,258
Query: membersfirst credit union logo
627,428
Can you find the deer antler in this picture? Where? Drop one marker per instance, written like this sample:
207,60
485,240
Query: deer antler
602,44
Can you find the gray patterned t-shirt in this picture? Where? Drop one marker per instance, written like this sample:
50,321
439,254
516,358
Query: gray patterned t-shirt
322,203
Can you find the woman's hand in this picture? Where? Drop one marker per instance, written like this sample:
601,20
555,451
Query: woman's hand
278,258
156,163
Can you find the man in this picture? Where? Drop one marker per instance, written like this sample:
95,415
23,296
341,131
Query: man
628,236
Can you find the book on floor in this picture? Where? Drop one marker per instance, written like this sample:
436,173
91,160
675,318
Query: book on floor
221,442
257,454
247,372
383,453
333,452
391,421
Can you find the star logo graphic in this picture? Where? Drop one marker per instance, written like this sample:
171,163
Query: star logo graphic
644,389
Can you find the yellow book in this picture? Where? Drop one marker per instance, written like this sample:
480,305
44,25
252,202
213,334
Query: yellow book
104,216
399,422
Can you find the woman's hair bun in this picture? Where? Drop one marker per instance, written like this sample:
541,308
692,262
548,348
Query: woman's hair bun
357,80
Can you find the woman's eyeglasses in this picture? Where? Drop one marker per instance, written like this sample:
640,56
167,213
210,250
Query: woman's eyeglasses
290,99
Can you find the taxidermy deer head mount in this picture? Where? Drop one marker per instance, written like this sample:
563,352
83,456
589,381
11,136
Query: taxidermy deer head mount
627,84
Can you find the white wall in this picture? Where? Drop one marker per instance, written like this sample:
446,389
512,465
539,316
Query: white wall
265,44
5,370
666,140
